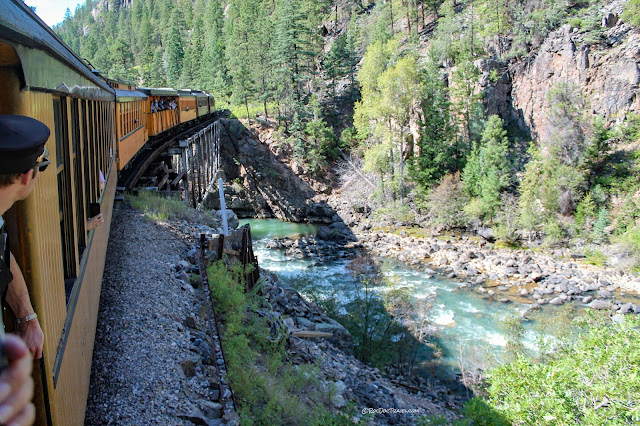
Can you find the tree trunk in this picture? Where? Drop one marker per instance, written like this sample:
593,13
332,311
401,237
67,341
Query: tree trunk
408,20
246,105
391,9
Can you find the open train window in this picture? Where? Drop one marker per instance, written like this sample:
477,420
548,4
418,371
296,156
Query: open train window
76,159
88,154
65,194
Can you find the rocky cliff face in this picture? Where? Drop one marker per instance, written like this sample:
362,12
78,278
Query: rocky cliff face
265,181
605,73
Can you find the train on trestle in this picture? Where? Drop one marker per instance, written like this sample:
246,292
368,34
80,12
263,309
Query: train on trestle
97,127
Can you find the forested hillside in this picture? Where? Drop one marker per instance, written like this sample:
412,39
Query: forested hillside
463,112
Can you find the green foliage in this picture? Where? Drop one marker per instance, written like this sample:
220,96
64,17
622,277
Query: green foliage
268,389
568,141
585,213
593,378
514,334
600,227
631,238
438,149
631,12
595,257
486,173
553,232
480,413
320,145
447,201
395,213
390,87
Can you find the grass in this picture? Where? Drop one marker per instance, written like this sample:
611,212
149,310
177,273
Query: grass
268,387
161,209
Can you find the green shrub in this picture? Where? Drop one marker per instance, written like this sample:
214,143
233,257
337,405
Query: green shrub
480,413
631,12
553,232
585,213
593,378
396,213
595,257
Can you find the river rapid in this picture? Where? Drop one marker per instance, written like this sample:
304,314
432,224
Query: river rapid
468,325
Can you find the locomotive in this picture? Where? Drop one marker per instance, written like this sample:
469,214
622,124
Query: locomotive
97,127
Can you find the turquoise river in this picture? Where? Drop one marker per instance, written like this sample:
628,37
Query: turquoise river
466,321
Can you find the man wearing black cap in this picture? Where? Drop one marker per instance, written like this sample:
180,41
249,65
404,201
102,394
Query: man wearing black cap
22,157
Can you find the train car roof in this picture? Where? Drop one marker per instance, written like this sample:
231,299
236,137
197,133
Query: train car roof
20,26
185,92
129,95
158,91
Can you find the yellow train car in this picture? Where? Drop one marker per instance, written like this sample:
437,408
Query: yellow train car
188,106
202,102
63,263
212,103
161,109
131,121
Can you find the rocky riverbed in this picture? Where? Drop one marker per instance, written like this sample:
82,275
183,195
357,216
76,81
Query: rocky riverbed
540,277
531,276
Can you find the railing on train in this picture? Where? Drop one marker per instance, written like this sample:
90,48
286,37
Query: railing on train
200,161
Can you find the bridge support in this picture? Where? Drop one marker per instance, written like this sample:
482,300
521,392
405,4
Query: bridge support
200,163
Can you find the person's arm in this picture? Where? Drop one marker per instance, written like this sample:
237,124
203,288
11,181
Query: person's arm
94,222
16,384
20,303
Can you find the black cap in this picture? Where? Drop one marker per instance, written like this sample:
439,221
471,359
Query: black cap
22,141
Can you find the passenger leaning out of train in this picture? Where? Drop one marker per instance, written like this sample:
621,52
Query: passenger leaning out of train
23,157
97,220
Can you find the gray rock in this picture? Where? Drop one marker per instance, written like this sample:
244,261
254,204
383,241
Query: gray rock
556,301
600,305
626,308
605,294
189,367
212,410
487,234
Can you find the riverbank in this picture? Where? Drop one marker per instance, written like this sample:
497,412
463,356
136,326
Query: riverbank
533,276
539,277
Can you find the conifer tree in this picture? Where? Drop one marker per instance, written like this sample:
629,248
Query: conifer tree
174,53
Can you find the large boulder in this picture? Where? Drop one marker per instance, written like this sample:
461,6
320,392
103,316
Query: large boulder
232,218
341,339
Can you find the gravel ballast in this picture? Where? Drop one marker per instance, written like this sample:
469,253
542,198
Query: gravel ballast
141,341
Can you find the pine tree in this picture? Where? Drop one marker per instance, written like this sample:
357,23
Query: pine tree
174,53
434,157
213,73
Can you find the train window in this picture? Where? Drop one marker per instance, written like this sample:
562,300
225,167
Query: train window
65,195
76,159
